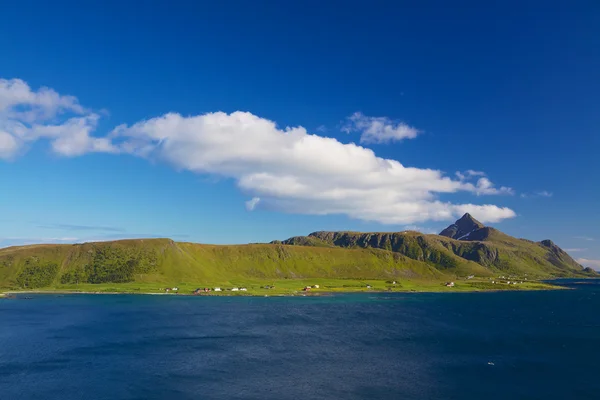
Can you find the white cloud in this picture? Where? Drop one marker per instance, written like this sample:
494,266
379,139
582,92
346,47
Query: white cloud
589,239
486,187
251,204
291,170
543,193
286,169
420,229
594,264
27,115
378,129
574,250
483,185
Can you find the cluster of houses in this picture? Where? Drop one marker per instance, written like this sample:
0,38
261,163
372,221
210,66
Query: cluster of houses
218,289
507,282
308,288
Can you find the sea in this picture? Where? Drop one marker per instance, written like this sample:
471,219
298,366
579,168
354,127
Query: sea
500,345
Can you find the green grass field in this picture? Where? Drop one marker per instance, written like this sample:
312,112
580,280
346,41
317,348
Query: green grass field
295,286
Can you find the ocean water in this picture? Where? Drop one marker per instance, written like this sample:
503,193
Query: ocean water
519,345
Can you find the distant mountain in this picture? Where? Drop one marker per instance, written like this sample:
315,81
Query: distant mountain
465,247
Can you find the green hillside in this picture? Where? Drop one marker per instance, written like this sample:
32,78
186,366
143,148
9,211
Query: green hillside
338,260
164,261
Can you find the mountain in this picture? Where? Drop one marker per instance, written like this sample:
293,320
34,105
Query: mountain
462,228
465,247
481,251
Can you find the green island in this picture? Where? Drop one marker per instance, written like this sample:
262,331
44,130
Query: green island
466,256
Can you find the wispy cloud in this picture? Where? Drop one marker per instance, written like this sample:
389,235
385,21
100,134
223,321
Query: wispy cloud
483,185
589,239
70,227
251,204
378,129
594,264
543,193
574,250
419,228
23,241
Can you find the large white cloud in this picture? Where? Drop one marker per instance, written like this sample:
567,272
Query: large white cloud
293,171
27,115
287,169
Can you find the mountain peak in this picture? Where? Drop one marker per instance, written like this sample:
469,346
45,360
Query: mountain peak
468,219
462,228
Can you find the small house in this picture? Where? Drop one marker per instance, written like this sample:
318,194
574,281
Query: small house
368,286
243,289
175,289
315,286
234,289
450,284
217,289
306,289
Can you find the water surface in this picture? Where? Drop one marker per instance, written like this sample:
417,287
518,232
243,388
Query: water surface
517,345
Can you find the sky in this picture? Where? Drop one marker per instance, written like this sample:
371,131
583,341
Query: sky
246,122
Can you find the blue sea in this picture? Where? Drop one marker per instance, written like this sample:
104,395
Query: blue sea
516,345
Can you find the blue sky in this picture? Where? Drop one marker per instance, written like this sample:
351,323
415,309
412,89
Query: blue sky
251,121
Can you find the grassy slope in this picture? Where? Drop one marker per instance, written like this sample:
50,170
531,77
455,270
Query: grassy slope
196,264
336,260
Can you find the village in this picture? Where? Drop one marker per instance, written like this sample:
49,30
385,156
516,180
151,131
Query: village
237,289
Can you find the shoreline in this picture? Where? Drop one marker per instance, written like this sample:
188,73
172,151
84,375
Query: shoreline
9,293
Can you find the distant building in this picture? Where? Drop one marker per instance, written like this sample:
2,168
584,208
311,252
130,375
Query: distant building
450,284
243,289
234,289
316,286
217,289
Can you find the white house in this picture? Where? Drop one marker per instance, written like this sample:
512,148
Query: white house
234,289
217,289
175,288
243,289
316,286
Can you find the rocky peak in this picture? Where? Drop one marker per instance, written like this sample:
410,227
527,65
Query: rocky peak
462,228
